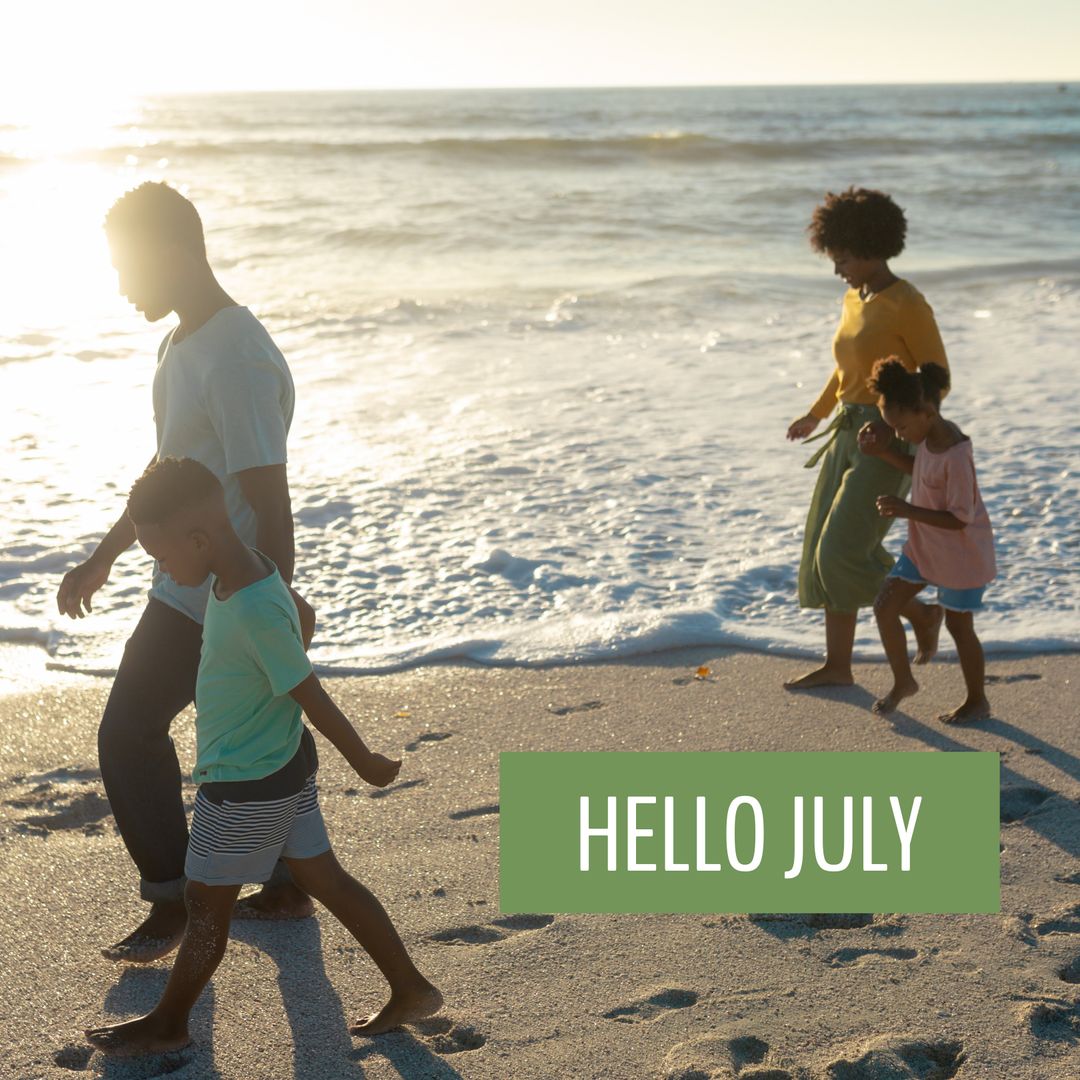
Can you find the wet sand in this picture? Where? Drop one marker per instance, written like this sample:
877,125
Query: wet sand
871,996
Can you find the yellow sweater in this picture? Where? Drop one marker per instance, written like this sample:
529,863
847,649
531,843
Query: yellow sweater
894,322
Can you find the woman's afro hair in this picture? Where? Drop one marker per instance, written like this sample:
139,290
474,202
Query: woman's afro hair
866,223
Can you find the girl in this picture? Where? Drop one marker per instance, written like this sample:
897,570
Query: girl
843,560
950,543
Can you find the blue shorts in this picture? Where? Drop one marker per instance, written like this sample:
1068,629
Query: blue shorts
949,599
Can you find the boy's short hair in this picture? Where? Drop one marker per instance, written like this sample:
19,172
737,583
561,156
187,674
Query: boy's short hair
169,486
864,222
156,212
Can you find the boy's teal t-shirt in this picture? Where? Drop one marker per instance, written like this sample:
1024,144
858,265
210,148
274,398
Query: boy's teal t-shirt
247,726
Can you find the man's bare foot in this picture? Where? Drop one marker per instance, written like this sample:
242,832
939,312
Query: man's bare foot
402,1008
897,694
927,633
160,933
275,902
149,1034
968,713
822,676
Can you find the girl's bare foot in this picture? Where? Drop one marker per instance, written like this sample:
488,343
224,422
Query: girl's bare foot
822,676
927,634
160,933
149,1034
897,694
275,902
425,1000
967,713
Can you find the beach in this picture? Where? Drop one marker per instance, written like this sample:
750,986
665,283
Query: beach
546,345
865,996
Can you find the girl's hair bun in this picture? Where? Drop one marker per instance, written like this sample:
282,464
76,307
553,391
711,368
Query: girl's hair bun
905,389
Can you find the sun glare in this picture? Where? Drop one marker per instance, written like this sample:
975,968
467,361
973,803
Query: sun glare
55,187
60,300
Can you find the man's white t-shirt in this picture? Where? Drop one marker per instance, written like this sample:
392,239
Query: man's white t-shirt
223,396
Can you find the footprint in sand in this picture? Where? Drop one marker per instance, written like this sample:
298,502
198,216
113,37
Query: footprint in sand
63,799
843,957
653,1006
65,774
566,710
1018,801
1063,920
495,930
151,1067
899,1057
75,1058
446,1036
381,793
1068,879
474,811
734,1057
1020,677
1070,973
1055,1020
1019,927
426,738
836,921
879,924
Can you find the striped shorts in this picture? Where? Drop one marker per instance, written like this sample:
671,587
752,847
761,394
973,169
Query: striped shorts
238,843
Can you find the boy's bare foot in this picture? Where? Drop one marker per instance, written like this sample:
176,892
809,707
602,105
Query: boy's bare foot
149,1034
275,902
927,634
160,933
967,713
425,1000
822,676
895,696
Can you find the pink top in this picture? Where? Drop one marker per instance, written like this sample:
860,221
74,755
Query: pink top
951,558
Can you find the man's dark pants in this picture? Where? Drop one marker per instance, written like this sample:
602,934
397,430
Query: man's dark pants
154,683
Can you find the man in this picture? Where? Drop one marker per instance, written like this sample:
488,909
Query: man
222,395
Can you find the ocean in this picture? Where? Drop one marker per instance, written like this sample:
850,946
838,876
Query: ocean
546,347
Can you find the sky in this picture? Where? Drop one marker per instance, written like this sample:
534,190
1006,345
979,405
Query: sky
63,48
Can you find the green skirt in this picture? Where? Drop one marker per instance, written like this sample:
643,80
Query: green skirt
843,560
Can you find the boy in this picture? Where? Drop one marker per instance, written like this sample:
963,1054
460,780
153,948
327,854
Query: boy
256,759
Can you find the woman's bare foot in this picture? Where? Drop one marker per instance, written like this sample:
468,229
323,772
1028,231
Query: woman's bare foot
149,1034
927,633
275,902
425,1000
160,933
967,713
897,694
822,676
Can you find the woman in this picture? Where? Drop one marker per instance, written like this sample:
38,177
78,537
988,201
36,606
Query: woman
843,561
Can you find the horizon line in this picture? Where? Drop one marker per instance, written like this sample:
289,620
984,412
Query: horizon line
1062,83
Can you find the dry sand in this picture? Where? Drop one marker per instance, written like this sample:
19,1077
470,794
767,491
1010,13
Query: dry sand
563,996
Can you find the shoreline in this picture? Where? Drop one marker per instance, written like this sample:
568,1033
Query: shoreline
20,671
